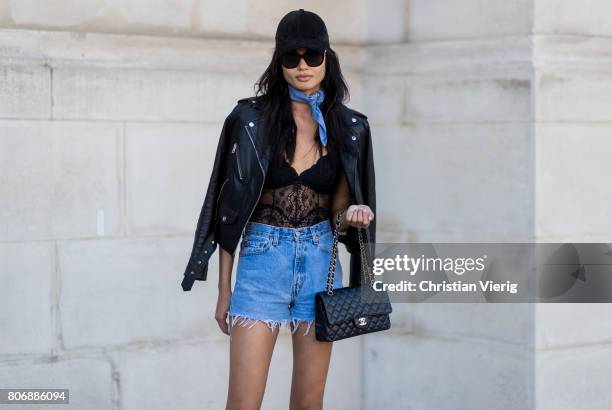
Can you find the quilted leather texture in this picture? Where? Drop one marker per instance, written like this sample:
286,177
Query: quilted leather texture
337,316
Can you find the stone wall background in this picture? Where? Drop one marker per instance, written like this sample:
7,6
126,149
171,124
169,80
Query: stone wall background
489,122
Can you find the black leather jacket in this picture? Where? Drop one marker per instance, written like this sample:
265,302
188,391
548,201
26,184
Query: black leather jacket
237,180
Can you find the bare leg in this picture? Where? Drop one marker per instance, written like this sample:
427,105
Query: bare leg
251,349
310,365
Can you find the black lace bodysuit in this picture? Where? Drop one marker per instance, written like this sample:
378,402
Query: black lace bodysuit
295,201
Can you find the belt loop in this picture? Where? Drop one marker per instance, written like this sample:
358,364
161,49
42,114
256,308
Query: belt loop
275,234
315,234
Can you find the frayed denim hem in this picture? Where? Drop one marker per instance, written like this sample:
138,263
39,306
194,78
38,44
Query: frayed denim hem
292,325
295,324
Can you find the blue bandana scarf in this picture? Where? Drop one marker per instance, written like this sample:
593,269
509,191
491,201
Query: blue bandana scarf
315,101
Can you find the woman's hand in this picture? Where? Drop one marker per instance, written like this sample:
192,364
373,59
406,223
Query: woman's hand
359,216
223,302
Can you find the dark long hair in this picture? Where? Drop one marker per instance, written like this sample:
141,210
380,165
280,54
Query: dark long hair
280,126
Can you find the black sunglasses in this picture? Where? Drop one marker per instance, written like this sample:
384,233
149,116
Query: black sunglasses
291,59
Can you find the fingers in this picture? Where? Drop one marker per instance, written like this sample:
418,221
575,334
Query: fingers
357,217
354,218
360,217
223,325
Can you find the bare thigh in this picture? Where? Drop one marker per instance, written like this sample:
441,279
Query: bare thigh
250,353
310,365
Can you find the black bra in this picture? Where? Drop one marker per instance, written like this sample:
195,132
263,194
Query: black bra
295,200
321,176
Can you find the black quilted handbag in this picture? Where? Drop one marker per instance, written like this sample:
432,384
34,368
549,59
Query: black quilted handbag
354,310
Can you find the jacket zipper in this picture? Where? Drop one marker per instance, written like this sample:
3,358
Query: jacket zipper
262,172
237,159
219,197
256,153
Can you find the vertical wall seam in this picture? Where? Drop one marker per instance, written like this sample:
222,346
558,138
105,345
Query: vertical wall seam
362,381
58,346
115,382
532,388
123,179
51,100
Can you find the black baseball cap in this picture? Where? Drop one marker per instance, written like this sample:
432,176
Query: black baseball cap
301,28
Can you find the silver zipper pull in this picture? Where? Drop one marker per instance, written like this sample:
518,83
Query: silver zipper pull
234,147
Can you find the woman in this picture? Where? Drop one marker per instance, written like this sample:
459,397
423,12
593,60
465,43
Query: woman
303,152
290,226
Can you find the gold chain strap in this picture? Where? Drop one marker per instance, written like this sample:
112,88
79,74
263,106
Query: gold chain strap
365,266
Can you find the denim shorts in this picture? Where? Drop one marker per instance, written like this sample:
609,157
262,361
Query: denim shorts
279,271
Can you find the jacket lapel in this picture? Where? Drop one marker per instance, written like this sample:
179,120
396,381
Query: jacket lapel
349,158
